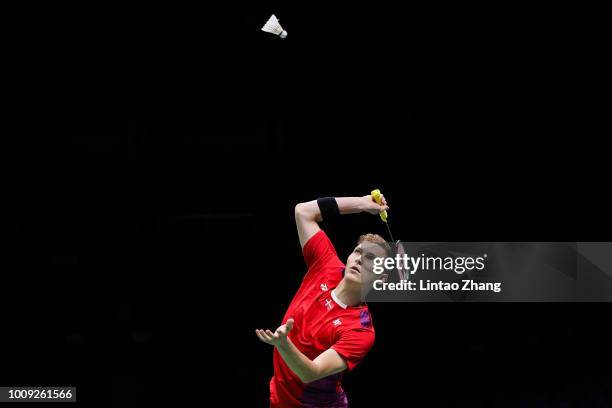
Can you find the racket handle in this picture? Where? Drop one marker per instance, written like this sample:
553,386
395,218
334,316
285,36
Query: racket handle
377,196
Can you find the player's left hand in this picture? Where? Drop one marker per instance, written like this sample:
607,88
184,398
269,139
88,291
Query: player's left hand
279,337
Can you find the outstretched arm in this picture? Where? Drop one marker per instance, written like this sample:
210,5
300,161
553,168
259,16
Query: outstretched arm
308,214
327,363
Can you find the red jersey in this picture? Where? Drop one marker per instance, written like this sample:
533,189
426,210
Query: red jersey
322,321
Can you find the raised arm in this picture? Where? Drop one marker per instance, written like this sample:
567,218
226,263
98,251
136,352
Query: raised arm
308,214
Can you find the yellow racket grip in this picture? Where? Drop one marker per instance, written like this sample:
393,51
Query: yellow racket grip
377,196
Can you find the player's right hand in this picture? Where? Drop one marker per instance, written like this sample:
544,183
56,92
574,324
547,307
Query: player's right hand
371,206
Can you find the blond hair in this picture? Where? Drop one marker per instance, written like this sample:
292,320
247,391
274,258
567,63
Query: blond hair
375,239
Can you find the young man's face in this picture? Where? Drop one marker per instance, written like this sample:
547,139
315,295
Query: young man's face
360,263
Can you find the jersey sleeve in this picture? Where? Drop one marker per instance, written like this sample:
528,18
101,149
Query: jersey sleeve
318,250
353,345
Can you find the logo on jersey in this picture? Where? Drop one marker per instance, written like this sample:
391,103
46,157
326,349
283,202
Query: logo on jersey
328,304
324,287
364,318
337,322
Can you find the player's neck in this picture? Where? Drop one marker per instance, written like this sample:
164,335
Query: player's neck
348,293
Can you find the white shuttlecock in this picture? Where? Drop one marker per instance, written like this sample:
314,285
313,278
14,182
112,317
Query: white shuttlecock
273,26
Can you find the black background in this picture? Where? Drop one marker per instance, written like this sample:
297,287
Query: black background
141,260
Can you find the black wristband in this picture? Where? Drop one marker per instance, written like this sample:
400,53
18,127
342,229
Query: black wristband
329,208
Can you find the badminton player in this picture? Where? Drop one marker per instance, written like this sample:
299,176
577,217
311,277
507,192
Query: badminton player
327,328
